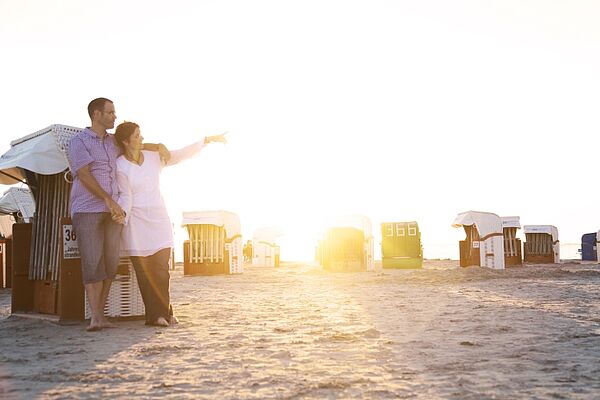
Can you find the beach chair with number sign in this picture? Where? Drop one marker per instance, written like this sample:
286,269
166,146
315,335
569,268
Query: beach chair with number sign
401,245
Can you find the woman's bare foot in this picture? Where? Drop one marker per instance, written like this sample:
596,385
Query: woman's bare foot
173,320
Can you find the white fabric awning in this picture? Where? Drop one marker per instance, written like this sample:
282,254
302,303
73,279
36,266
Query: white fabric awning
485,222
267,234
18,200
43,152
549,229
229,220
511,222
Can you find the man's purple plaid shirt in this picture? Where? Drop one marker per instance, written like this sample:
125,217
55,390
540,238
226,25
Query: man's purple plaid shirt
86,148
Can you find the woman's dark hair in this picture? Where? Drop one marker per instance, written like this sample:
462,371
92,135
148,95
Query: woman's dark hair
124,132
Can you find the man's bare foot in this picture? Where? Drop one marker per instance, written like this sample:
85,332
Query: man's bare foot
173,320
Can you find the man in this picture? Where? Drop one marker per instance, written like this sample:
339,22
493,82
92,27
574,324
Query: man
92,156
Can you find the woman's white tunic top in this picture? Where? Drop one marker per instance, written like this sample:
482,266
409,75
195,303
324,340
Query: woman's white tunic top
147,226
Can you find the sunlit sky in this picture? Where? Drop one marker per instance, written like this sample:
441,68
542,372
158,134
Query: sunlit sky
397,110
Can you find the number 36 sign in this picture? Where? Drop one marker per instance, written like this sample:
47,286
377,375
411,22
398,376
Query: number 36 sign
70,248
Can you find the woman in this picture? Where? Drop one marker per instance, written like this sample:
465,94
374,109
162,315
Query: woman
147,236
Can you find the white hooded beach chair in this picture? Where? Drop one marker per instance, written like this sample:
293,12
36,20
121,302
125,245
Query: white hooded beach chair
265,250
215,243
39,160
541,244
484,244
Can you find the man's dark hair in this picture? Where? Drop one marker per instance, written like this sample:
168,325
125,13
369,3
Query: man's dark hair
97,104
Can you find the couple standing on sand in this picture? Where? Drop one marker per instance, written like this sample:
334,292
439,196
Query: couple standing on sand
117,210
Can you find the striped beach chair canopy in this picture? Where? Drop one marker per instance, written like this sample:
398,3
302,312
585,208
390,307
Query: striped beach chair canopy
267,234
548,229
42,152
486,222
227,219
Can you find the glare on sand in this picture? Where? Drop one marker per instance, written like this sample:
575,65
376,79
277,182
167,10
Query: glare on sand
299,332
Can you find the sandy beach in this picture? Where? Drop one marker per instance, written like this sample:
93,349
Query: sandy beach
298,332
